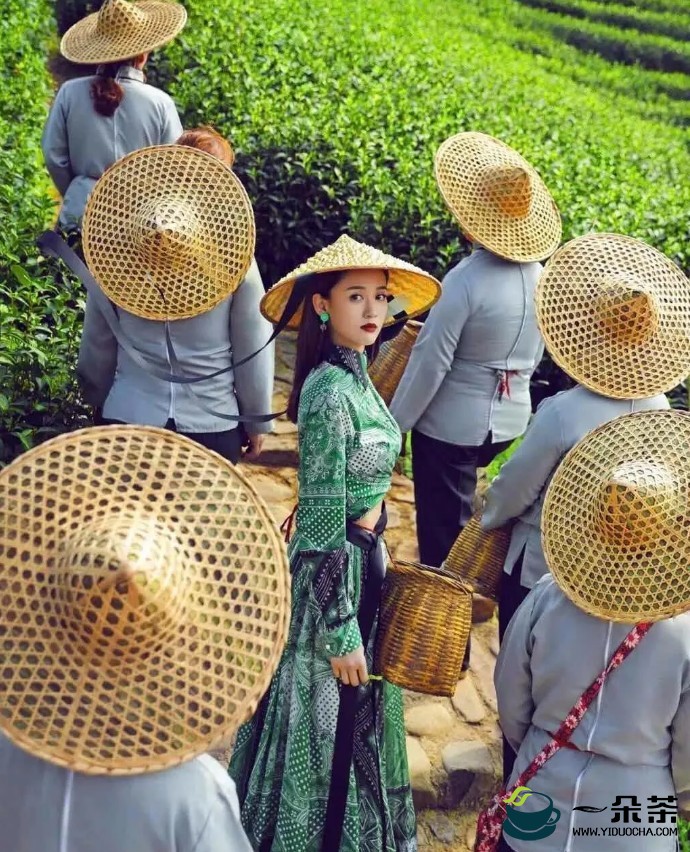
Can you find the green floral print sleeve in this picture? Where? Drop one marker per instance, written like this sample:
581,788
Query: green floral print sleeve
326,432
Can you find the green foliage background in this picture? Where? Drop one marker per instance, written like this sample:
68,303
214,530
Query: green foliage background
39,307
336,108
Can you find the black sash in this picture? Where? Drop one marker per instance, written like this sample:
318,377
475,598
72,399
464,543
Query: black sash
344,733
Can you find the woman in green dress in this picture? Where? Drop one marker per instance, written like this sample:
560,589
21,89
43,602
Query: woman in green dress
322,765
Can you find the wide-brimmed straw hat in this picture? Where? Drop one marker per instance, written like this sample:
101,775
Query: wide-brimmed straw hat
615,315
616,519
168,232
144,597
497,197
121,30
414,290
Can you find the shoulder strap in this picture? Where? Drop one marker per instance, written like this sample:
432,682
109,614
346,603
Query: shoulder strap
583,703
490,820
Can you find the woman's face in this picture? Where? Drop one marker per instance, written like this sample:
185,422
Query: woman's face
358,306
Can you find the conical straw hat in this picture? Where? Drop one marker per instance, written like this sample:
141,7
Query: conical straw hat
144,598
615,315
168,232
497,197
121,30
415,291
616,519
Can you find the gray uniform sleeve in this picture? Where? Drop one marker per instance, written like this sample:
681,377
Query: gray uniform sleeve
680,751
171,129
524,475
513,674
223,830
55,146
431,357
97,356
248,333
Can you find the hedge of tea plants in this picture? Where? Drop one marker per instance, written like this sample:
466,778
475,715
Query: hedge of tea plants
674,24
590,26
39,311
336,108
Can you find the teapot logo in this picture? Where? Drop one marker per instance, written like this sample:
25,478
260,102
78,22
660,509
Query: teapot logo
530,815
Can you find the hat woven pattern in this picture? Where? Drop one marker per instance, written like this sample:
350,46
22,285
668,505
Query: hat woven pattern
616,519
168,232
144,600
415,290
121,30
497,197
615,315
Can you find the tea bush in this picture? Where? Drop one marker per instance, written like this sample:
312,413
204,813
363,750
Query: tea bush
336,109
39,319
675,25
632,47
684,835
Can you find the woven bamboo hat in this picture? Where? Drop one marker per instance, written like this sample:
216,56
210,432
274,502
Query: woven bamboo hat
121,30
615,315
616,519
497,197
168,232
415,291
144,600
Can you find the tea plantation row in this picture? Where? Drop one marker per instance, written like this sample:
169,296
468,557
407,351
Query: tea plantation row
336,108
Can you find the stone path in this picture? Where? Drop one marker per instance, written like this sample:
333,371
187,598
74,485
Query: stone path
453,744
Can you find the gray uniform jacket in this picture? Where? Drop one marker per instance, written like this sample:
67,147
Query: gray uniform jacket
203,344
519,490
45,808
79,144
483,324
634,740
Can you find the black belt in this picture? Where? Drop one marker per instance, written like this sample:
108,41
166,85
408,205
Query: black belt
370,598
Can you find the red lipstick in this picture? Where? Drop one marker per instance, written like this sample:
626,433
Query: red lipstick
370,327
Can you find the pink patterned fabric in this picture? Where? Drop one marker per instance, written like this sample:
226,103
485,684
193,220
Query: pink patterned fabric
490,821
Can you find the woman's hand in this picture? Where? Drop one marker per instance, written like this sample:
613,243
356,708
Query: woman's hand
352,668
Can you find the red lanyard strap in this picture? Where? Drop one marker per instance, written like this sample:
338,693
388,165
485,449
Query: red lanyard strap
490,821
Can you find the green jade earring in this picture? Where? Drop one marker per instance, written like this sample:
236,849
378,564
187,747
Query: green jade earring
324,316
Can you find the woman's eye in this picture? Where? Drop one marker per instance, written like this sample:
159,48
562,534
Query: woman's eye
355,297
382,297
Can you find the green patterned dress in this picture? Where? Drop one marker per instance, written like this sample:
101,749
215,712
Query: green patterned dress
348,445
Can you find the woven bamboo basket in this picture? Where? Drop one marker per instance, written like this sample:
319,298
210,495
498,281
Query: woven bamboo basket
478,556
424,624
390,363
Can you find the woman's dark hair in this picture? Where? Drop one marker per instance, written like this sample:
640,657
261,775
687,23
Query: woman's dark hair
311,340
105,90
